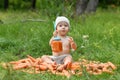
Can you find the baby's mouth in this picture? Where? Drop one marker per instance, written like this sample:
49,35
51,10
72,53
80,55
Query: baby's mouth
63,30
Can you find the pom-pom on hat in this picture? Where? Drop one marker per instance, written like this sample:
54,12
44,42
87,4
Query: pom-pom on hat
60,19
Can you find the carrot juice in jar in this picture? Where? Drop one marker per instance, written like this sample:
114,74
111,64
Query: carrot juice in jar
56,45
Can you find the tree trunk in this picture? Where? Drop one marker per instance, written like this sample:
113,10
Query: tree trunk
87,6
33,4
92,6
81,6
6,3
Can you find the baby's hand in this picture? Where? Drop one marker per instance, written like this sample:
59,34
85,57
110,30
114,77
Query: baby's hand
55,33
72,44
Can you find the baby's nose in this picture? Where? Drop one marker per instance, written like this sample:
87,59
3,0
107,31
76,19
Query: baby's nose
63,26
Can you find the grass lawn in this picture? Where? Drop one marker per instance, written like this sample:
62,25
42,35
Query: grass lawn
20,36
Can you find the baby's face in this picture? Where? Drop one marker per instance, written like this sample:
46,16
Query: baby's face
62,28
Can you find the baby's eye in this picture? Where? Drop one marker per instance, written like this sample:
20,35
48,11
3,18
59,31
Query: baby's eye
60,25
66,25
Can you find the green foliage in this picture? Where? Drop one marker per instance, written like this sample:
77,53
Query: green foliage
55,7
106,3
1,3
17,4
51,8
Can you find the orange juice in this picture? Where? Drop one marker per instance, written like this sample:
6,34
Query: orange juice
56,46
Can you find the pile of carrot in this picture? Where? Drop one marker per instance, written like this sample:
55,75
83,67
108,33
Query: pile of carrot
96,67
36,65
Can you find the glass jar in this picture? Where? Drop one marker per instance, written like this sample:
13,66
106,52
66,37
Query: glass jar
56,45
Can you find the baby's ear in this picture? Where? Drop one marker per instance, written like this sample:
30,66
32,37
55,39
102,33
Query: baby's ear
56,30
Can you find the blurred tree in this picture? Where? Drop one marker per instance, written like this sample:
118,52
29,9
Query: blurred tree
107,3
86,6
33,4
6,4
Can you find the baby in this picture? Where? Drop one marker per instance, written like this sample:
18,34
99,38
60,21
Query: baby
62,26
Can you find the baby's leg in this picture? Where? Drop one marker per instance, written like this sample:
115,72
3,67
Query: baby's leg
67,60
67,63
47,59
50,63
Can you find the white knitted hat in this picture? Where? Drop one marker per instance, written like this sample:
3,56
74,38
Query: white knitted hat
60,19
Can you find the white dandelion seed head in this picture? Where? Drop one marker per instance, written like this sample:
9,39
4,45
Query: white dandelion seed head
85,36
82,46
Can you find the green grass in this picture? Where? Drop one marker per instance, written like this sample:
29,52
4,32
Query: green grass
18,38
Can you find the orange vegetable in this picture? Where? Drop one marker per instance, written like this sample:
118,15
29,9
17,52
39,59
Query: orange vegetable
60,68
112,65
43,67
14,62
23,60
31,58
20,66
75,66
69,65
49,66
37,65
66,73
39,60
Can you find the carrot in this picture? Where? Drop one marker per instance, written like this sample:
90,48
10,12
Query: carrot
66,73
50,67
20,66
54,64
101,66
60,68
57,73
36,66
43,67
39,60
23,60
63,73
37,69
28,63
96,73
31,58
75,67
92,67
72,71
69,65
35,63
14,62
112,65
107,71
